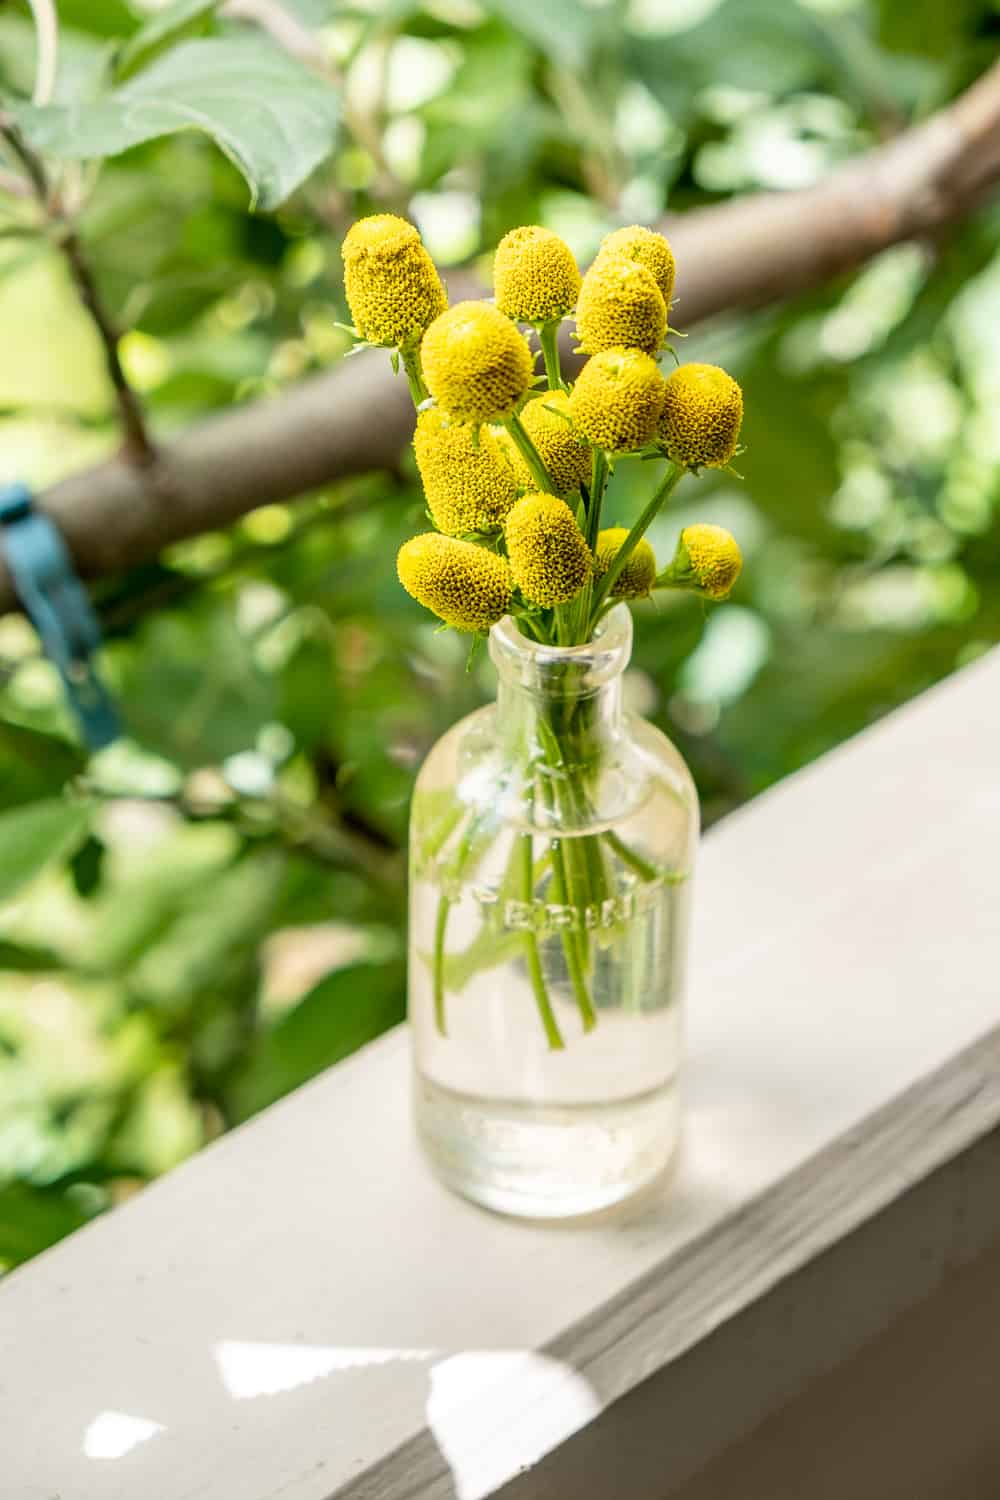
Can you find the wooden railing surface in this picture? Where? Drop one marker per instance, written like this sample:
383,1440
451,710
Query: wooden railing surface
301,1312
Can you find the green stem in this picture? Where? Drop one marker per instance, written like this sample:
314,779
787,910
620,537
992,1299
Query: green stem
591,530
549,1022
529,453
572,940
455,872
598,484
414,373
635,862
431,847
571,947
548,338
564,616
440,927
586,878
675,473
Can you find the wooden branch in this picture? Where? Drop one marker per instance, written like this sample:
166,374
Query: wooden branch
741,254
766,247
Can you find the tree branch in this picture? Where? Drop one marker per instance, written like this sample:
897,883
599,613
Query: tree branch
768,246
741,254
139,447
138,443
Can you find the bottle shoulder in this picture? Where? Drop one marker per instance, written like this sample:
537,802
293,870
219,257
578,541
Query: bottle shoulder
665,761
472,765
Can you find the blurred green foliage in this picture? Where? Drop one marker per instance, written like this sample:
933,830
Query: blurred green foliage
215,911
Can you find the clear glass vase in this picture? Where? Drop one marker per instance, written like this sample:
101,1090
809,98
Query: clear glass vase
552,842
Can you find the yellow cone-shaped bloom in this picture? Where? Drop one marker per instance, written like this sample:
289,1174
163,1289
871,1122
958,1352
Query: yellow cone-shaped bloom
702,414
477,364
636,578
512,453
535,277
549,558
392,287
564,453
465,585
617,400
707,558
468,482
650,249
620,306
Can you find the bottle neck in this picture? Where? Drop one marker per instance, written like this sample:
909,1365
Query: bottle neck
577,727
563,705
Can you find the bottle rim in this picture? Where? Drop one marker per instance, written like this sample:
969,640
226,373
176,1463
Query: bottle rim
537,664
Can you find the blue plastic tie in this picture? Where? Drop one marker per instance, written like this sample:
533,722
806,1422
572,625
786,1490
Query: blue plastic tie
58,607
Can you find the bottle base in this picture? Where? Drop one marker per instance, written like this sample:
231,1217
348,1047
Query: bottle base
546,1162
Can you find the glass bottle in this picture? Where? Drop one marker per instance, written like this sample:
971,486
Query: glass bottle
552,842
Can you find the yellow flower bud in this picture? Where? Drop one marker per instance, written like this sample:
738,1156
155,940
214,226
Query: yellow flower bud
477,364
549,559
708,558
702,414
465,585
468,482
564,453
512,454
535,277
392,287
650,249
620,306
617,400
637,576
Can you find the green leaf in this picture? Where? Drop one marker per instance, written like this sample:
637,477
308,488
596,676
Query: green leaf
345,1010
87,866
99,17
22,958
32,1218
561,28
34,765
272,117
193,693
182,18
32,837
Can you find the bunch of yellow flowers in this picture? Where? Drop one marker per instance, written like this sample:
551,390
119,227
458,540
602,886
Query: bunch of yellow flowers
514,464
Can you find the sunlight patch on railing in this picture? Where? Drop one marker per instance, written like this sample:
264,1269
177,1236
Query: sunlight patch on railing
494,1412
113,1434
261,1369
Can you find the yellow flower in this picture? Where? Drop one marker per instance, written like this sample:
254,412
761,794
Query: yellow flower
535,277
650,249
477,364
465,585
708,558
565,455
549,559
469,484
620,306
617,400
392,287
637,576
702,414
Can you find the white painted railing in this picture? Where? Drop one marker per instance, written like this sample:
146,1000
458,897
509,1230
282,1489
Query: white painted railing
302,1312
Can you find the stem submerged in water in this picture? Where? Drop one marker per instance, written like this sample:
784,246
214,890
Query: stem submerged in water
549,1022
